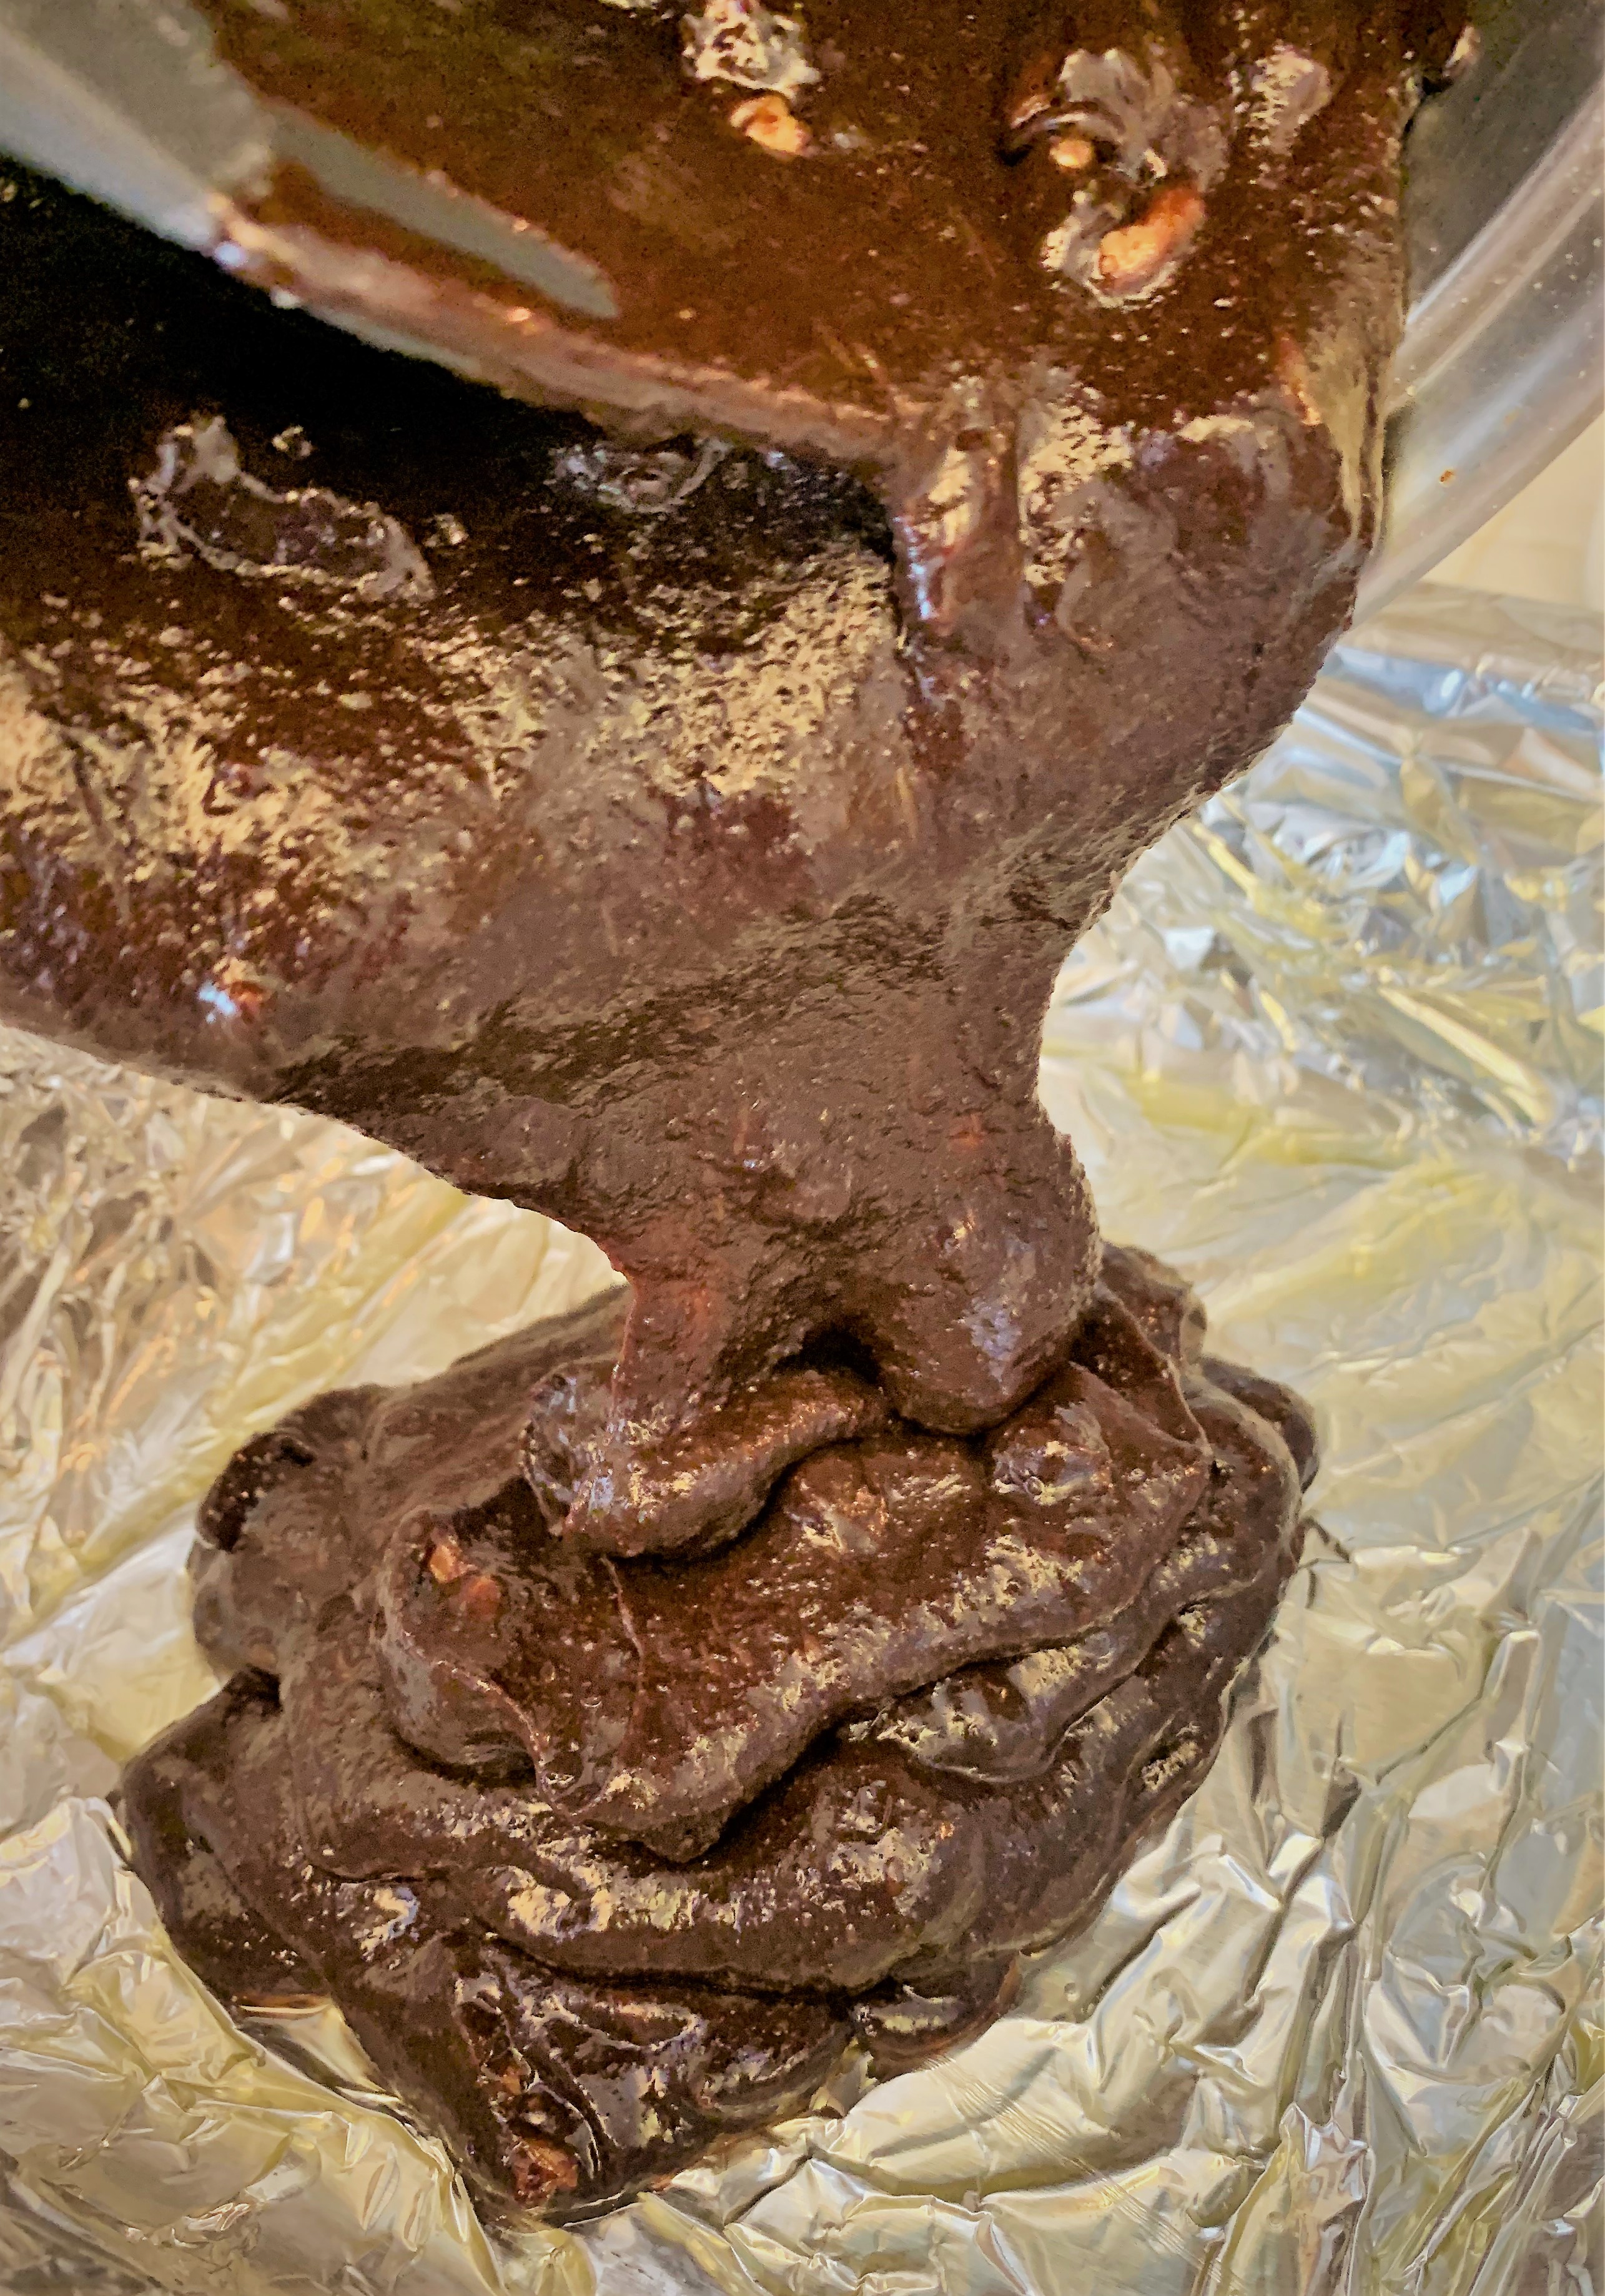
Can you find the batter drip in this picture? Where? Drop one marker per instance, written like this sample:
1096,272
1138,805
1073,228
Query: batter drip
670,814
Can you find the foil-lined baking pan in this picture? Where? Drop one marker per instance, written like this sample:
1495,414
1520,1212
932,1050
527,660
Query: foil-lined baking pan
1336,1053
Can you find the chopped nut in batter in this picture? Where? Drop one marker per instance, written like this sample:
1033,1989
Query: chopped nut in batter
1136,255
769,121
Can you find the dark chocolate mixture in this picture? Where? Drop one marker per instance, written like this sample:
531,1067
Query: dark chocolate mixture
676,825
602,1857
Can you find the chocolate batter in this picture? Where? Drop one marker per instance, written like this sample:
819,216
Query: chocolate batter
671,813
524,1808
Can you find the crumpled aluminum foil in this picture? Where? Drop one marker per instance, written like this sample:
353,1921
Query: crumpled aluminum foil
1336,1053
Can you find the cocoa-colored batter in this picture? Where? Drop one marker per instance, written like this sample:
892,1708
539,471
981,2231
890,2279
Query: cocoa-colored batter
510,1800
670,814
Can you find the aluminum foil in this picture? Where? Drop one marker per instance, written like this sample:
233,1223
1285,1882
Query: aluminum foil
1334,1052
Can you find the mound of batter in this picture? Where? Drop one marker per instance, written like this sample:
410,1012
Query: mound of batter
603,1855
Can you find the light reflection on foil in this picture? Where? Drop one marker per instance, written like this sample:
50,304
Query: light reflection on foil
1336,1053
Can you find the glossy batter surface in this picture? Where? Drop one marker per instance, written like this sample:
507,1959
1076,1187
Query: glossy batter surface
527,1810
682,837
667,807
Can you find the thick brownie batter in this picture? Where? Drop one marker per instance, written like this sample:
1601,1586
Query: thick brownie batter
534,1813
671,813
